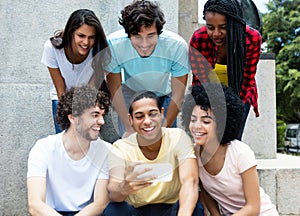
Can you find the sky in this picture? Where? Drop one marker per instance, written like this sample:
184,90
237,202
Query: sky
260,4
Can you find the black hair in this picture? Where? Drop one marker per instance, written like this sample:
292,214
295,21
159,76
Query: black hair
76,100
101,52
145,94
235,39
226,106
64,38
141,13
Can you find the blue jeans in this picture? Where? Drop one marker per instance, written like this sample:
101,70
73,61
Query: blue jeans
246,112
54,108
128,95
124,209
64,213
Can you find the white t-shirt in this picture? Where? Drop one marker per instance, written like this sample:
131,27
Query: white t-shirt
70,184
73,74
227,188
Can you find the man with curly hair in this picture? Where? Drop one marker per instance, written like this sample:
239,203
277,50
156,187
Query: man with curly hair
146,57
68,172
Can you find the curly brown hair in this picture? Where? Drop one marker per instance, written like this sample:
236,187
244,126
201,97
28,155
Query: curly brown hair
76,100
141,13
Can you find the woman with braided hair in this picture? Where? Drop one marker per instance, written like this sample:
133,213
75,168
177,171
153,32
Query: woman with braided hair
227,50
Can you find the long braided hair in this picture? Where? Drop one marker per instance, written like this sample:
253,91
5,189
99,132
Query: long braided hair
235,39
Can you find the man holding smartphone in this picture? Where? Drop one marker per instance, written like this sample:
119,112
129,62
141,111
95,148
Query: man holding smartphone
131,190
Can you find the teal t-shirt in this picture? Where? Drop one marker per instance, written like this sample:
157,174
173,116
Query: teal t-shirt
153,73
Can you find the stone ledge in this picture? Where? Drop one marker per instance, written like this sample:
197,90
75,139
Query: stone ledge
267,56
282,161
280,179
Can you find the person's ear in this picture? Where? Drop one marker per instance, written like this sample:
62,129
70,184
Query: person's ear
71,118
130,120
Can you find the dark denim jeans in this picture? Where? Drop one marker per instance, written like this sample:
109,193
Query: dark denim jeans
64,213
124,209
54,108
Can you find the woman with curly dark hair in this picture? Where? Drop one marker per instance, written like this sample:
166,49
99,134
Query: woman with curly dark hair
213,115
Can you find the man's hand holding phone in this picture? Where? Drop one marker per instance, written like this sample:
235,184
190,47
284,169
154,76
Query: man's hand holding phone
162,172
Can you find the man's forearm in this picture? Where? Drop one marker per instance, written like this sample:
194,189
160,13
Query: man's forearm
188,197
92,209
171,115
119,105
178,89
116,192
41,208
114,82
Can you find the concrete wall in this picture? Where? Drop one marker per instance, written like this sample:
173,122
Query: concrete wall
25,110
260,133
188,18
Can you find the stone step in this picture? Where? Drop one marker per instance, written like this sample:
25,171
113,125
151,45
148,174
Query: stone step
280,178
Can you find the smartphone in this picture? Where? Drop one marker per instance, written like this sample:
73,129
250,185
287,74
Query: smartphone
162,171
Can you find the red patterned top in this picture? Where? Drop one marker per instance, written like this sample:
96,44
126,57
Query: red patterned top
203,56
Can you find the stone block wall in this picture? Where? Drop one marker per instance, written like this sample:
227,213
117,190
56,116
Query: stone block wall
260,133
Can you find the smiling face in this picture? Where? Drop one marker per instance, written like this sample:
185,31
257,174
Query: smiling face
216,27
83,40
88,124
145,41
146,119
203,126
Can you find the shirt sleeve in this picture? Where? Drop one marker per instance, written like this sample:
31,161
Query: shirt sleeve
246,159
180,66
105,151
199,63
115,157
48,57
253,51
184,147
113,66
38,160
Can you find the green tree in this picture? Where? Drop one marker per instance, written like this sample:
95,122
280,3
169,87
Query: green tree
281,32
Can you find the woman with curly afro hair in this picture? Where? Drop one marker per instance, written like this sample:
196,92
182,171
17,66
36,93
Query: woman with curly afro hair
213,115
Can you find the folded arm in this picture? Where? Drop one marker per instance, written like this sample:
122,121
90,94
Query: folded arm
36,187
101,199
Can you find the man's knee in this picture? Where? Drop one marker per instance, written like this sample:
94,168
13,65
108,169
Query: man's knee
115,208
